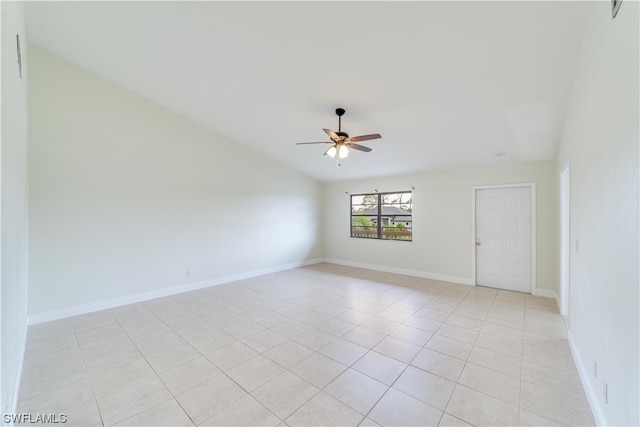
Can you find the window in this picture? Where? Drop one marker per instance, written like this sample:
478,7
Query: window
385,216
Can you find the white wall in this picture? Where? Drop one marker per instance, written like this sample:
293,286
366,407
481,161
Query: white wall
600,142
13,295
442,242
126,196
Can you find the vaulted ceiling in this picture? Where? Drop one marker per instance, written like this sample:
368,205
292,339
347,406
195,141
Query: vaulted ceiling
447,84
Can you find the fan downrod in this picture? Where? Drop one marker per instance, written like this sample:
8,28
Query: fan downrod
340,112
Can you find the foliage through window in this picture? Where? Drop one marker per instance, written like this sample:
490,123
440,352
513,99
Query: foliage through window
385,216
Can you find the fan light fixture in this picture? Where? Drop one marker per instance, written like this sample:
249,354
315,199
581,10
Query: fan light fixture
343,152
341,141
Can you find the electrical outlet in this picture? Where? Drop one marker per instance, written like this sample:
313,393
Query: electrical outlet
595,369
606,393
188,273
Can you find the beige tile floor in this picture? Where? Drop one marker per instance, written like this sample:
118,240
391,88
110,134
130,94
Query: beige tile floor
322,345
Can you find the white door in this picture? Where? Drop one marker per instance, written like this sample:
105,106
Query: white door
503,238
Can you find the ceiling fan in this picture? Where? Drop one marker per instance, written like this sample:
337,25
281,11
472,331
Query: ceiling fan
341,141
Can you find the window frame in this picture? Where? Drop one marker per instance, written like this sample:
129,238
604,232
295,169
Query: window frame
379,227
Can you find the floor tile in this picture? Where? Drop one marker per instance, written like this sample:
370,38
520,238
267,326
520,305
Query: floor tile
290,328
212,342
530,419
336,327
432,314
449,346
139,397
90,335
93,320
270,319
243,329
353,316
477,408
315,339
254,372
343,351
547,357
231,355
559,332
398,409
194,357
393,315
565,380
70,399
501,386
464,322
318,370
503,331
101,362
116,379
264,340
284,394
107,345
380,367
382,326
424,323
397,349
502,345
245,412
324,410
451,421
555,405
167,414
288,353
195,330
422,385
172,357
497,361
159,343
189,374
457,332
364,337
439,364
207,399
367,308
367,422
410,334
148,331
356,390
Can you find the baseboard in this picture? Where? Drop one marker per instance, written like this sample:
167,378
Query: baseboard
160,293
586,384
406,272
16,386
546,293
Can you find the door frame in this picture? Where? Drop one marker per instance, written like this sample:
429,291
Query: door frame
565,239
532,191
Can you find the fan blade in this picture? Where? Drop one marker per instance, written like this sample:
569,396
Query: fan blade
323,142
358,147
332,135
363,137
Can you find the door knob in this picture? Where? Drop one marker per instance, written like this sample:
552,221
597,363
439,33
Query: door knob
477,242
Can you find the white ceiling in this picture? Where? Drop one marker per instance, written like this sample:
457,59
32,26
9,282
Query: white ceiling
447,84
